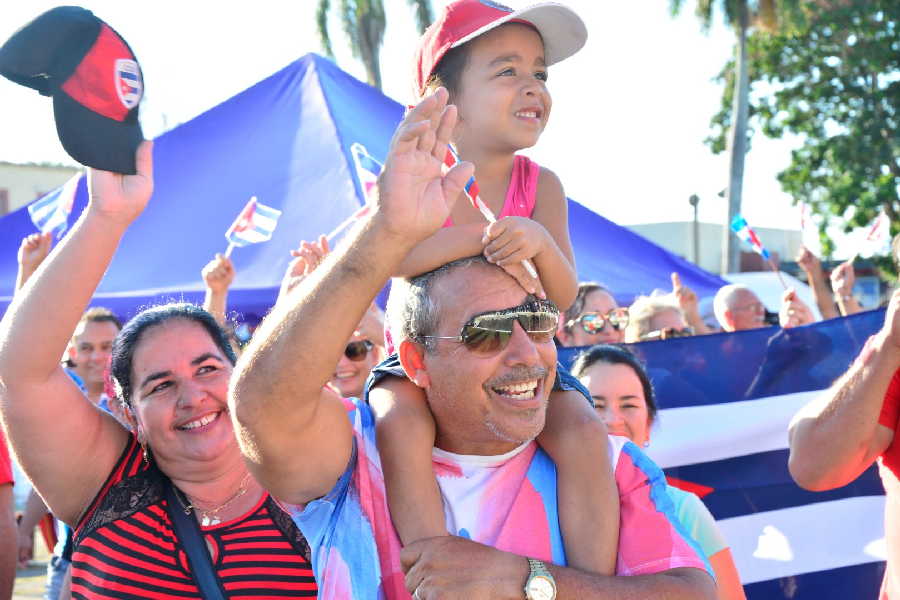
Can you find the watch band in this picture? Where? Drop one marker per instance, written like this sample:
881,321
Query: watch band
540,584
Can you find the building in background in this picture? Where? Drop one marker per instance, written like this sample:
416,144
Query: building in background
20,184
677,237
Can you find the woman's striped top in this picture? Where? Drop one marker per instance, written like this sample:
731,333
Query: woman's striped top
125,546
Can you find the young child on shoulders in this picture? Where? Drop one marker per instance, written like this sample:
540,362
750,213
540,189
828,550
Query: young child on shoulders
494,66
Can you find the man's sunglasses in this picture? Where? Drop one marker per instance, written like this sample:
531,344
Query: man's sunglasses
667,334
357,351
594,322
490,332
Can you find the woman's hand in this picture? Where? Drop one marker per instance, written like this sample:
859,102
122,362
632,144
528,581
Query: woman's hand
306,258
512,240
121,198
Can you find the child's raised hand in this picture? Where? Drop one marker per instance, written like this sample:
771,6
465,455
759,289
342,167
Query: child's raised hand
512,240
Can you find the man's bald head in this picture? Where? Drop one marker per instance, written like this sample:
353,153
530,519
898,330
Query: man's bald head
738,308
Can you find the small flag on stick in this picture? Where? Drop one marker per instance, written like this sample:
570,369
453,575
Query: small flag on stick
741,229
51,211
368,168
255,224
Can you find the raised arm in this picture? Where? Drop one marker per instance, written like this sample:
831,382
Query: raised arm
837,436
68,456
217,276
295,436
810,263
32,252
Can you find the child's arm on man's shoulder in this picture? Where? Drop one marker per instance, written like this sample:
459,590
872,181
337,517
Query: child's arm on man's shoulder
575,437
405,433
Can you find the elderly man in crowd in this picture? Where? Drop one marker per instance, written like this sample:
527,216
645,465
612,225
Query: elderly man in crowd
324,467
738,308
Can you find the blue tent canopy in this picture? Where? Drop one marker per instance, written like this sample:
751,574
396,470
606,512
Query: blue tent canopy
287,141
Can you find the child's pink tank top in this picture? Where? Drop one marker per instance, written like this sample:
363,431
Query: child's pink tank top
521,196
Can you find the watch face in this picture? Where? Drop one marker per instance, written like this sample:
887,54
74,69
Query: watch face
541,588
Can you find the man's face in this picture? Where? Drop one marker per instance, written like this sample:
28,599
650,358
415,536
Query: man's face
746,312
91,349
350,375
485,404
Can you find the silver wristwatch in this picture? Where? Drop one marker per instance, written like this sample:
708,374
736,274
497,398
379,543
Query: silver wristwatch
540,584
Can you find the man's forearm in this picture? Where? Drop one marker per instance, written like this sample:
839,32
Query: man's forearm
837,436
295,349
821,293
675,584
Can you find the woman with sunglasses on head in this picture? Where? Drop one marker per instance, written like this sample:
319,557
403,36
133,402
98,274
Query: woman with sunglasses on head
593,318
150,508
623,395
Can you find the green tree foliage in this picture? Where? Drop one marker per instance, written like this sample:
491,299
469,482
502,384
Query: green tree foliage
743,16
834,81
363,21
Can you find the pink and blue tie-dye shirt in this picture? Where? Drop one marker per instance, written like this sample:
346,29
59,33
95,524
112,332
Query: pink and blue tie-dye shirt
507,501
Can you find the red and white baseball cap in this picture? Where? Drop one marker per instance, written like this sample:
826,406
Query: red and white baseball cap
561,28
93,77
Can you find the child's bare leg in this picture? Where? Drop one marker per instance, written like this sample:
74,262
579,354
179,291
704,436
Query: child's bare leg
575,438
405,432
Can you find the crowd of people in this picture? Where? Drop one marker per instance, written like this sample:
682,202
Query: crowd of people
434,450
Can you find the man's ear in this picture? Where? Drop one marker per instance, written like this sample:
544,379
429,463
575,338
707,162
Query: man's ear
71,353
728,325
412,359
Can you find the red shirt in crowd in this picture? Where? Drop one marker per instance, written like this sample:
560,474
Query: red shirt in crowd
889,468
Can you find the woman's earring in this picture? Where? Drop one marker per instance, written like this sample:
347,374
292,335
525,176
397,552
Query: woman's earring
646,444
146,454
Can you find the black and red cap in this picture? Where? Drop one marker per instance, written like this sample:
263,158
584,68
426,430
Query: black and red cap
93,77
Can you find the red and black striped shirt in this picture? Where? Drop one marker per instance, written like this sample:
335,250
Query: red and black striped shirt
125,546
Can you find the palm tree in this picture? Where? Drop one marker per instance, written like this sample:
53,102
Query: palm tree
740,15
364,23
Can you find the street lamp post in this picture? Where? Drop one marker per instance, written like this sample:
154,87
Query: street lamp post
695,200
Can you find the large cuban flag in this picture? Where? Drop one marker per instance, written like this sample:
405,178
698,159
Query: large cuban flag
726,401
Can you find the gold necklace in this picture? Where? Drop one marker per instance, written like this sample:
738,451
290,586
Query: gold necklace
211,517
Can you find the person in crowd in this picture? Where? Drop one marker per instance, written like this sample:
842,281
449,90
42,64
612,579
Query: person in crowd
8,530
815,276
482,348
656,318
594,318
622,393
837,436
496,75
843,277
89,352
738,308
170,367
218,275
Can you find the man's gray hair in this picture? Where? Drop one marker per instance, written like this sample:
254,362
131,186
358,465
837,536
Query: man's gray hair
413,311
724,300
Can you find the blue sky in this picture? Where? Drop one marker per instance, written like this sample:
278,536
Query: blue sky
629,115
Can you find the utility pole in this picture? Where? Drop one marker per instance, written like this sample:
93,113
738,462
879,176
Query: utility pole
694,200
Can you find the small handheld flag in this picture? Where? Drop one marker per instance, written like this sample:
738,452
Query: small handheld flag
255,224
367,168
741,229
51,211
